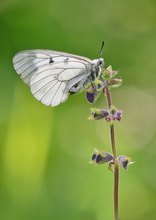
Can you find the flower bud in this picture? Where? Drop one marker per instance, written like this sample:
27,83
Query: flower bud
101,158
108,73
97,114
125,161
115,114
94,90
115,82
90,97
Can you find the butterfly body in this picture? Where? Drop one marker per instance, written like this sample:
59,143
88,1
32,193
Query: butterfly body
53,75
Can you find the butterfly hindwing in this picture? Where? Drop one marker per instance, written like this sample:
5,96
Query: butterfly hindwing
51,74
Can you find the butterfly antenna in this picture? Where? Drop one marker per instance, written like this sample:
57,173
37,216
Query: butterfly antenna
101,50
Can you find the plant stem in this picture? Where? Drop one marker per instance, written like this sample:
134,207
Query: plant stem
114,151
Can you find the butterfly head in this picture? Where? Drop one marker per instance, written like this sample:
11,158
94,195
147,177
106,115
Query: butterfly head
100,62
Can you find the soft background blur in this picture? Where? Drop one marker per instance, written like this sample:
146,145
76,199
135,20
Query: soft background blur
44,152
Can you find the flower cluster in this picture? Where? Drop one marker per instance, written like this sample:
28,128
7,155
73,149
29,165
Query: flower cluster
106,79
102,157
109,115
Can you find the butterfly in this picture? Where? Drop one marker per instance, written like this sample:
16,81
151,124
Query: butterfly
53,76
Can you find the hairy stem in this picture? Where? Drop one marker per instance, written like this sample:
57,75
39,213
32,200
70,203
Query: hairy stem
114,151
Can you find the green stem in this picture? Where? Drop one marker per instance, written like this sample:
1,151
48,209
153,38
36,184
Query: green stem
114,151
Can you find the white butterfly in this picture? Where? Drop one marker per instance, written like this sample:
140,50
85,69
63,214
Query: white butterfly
53,76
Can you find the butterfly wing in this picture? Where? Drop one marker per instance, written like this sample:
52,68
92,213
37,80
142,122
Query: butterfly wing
51,74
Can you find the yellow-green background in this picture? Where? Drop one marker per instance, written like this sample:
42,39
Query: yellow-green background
44,151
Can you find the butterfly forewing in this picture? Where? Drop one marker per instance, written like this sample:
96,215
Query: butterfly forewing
51,74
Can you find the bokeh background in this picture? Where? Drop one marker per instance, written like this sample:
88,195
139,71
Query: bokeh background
44,151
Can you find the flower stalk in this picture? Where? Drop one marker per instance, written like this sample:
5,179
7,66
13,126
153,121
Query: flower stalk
114,151
110,115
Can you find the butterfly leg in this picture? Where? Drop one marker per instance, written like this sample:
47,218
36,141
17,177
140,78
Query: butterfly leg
78,87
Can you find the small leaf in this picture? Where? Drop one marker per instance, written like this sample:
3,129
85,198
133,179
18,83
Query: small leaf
111,166
100,85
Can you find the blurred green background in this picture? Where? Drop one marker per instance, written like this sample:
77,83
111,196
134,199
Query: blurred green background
44,151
